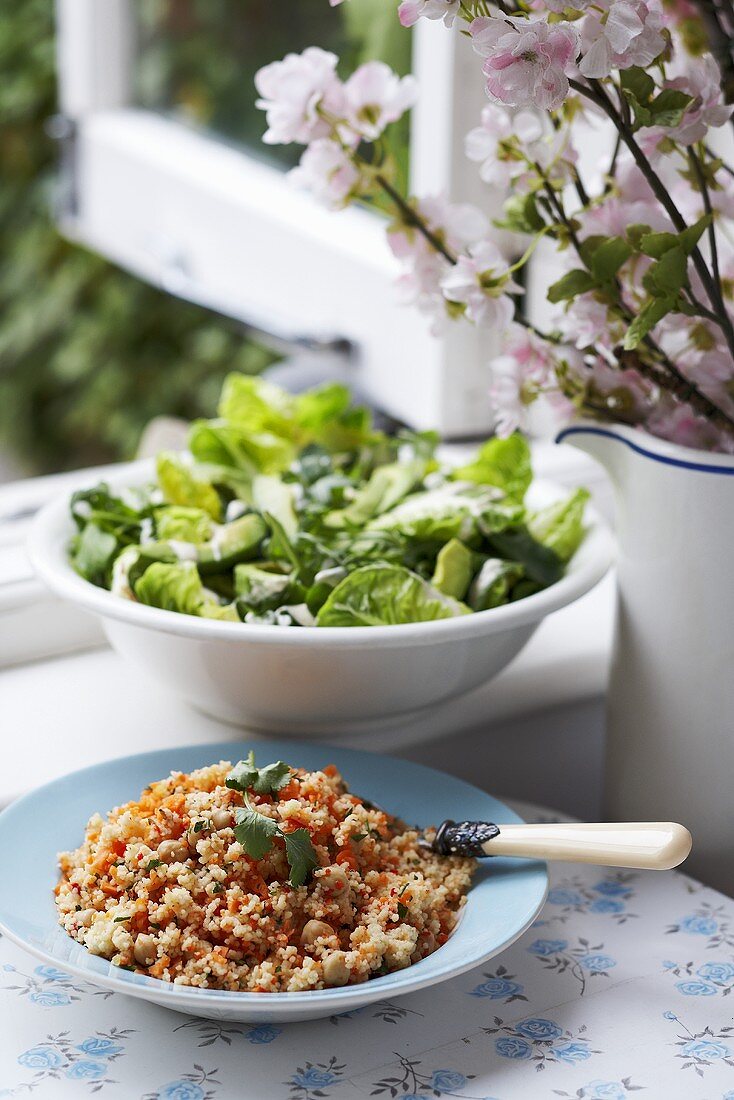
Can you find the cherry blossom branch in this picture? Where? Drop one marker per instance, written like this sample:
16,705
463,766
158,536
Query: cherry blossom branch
597,94
413,218
665,374
681,387
703,187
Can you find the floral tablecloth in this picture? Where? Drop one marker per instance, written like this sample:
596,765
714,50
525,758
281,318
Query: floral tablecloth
622,985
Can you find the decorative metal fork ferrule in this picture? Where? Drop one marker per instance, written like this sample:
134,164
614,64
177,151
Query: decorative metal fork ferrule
464,838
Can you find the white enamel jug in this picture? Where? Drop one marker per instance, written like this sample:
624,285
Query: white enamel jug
670,733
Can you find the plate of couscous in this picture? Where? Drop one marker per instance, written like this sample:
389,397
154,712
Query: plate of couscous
257,882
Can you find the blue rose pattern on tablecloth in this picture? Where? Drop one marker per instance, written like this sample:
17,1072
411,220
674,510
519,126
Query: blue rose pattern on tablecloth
498,985
606,897
196,1084
541,1040
87,1062
602,1090
581,961
413,1079
595,928
711,922
705,980
701,1049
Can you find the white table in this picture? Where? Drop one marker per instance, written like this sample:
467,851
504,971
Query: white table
620,985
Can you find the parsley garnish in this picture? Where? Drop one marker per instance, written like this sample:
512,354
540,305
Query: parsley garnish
153,863
402,910
359,836
218,889
246,777
199,826
118,920
301,856
255,831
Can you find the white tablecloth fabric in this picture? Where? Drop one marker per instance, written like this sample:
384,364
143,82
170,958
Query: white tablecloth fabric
623,984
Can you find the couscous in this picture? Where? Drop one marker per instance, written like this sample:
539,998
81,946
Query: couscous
257,879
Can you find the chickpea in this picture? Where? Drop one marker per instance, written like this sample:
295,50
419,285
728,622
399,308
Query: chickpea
221,819
145,950
173,851
336,971
313,930
335,877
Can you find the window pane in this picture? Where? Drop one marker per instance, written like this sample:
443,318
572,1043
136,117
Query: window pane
197,58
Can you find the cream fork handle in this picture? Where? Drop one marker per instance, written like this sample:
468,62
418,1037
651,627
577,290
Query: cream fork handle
659,845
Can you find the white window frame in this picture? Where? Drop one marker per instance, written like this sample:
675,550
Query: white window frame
208,222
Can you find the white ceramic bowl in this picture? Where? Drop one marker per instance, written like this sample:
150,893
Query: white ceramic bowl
319,680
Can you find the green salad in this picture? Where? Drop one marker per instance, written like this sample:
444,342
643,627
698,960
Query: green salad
293,510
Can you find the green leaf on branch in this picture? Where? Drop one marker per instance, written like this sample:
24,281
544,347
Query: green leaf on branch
608,258
668,108
690,237
638,83
572,283
521,215
665,109
668,275
635,234
657,244
651,313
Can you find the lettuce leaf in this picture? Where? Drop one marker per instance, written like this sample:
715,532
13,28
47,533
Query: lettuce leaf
179,485
504,463
178,587
176,521
384,595
172,587
493,583
386,487
251,452
449,512
560,526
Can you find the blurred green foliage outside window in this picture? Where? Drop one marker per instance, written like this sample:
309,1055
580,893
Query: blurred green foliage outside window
88,353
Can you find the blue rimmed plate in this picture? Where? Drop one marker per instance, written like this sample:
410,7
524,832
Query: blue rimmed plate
504,900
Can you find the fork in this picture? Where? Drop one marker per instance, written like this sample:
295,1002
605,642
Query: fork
653,845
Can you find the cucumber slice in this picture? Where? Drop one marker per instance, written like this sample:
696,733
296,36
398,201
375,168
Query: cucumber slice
231,543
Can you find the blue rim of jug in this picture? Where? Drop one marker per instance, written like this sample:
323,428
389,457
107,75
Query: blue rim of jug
699,467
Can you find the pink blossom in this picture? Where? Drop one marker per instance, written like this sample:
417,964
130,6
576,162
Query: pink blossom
624,391
375,96
628,34
525,369
505,395
587,322
458,225
291,92
479,280
410,11
503,143
488,144
681,425
703,82
326,170
531,353
528,60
